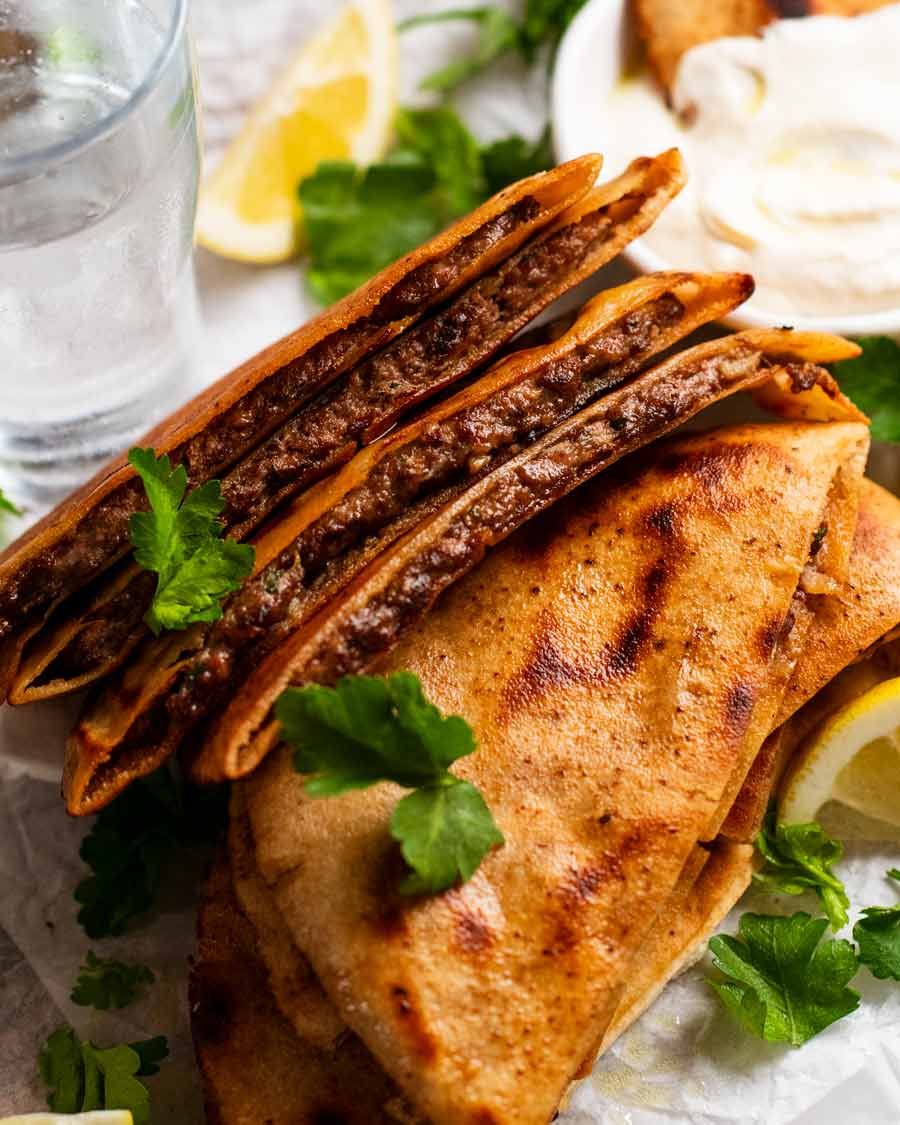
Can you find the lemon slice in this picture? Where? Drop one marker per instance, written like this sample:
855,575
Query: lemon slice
96,1117
335,102
852,758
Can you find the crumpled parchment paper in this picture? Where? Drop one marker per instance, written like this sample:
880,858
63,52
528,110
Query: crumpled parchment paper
683,1062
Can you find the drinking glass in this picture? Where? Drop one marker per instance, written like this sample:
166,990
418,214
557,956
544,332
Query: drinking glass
99,166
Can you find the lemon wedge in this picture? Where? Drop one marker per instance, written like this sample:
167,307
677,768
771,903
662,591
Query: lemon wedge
335,102
852,758
96,1117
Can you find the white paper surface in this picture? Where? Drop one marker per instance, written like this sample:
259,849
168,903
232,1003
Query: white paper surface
683,1062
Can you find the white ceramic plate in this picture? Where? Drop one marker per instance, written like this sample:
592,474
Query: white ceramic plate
590,66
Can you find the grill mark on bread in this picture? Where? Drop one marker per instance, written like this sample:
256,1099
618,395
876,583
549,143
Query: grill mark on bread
738,711
548,668
412,1023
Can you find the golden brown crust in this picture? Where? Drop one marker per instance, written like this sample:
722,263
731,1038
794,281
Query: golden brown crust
709,887
669,28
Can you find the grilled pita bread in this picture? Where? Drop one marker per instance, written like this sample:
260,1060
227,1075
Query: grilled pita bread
91,634
712,882
254,1066
845,628
613,707
89,530
173,682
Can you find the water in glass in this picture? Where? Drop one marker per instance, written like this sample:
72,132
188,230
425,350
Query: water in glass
97,304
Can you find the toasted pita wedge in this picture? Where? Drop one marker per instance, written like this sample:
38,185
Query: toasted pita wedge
292,982
400,585
89,530
670,29
712,882
844,629
174,682
86,637
254,1066
612,711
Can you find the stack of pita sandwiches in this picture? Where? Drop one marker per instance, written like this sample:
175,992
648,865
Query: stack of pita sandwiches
634,625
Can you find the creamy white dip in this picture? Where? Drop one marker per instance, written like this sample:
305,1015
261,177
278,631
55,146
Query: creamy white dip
792,143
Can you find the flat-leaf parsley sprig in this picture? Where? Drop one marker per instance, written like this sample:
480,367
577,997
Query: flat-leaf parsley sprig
81,1077
783,984
106,983
180,539
368,729
800,858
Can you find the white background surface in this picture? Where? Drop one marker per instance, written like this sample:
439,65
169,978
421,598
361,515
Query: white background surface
683,1063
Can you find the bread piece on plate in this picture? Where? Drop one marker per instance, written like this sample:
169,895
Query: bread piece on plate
669,29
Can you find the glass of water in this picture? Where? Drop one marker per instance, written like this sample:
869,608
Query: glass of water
99,166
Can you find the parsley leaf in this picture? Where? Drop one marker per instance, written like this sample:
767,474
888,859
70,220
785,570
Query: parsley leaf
783,985
106,983
180,539
6,505
62,1069
514,158
132,839
368,729
151,1053
499,33
357,221
444,831
872,381
878,937
546,20
82,1077
799,858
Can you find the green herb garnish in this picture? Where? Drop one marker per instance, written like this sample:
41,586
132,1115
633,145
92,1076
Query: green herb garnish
6,505
783,985
180,539
877,934
370,729
357,221
499,33
872,381
799,858
878,937
130,843
106,983
81,1077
